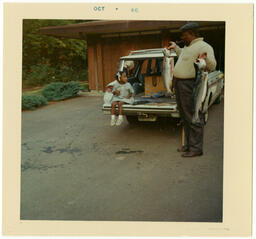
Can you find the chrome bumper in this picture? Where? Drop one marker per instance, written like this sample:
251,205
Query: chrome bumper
170,111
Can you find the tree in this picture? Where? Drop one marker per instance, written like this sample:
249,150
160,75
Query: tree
54,51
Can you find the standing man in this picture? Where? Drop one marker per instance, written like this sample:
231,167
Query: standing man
184,78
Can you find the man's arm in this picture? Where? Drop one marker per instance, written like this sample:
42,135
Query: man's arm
210,58
178,50
174,46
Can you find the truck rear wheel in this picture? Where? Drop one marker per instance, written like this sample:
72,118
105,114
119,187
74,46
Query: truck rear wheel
206,114
218,100
132,119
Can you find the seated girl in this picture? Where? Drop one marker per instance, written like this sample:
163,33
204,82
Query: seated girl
122,94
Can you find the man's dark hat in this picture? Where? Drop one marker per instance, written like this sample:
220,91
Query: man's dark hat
189,26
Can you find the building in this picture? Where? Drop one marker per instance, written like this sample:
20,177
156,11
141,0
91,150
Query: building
109,40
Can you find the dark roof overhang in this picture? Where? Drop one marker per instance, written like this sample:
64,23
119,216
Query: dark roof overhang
83,30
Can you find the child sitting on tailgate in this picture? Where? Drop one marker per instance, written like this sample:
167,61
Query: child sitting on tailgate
122,94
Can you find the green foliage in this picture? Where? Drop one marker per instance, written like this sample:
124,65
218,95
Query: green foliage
65,74
30,102
59,91
45,54
39,74
42,74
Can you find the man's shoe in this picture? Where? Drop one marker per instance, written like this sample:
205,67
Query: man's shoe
192,154
183,149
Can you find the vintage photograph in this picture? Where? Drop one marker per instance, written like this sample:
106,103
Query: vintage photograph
122,120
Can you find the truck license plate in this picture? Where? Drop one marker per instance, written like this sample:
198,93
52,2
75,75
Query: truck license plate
146,117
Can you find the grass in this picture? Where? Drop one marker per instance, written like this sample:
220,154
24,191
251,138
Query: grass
33,92
85,84
38,90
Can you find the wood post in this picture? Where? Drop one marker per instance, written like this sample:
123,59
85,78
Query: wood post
99,66
91,62
95,64
165,38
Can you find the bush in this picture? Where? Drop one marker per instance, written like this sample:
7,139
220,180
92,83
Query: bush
30,102
59,91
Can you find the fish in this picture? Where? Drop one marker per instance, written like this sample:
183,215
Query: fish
199,90
167,73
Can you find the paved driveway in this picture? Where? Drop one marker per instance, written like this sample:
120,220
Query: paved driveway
76,167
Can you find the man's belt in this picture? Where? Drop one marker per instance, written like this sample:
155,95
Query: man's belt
175,78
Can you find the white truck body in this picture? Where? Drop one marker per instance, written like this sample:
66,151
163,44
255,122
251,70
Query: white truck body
166,106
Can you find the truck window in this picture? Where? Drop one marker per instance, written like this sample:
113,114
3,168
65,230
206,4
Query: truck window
134,70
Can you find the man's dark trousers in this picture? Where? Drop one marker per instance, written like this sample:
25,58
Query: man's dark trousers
193,132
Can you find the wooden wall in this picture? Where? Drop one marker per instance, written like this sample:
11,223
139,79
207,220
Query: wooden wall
95,64
107,52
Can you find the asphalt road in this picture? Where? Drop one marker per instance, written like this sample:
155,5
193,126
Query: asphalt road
75,166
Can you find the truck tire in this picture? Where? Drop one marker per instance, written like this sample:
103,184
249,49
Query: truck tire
206,115
132,119
218,100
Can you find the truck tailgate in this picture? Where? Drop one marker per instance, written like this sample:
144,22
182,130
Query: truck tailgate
164,108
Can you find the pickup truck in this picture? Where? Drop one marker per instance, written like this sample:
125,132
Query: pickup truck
146,79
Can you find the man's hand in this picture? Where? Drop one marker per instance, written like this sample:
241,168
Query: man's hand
116,92
172,45
203,56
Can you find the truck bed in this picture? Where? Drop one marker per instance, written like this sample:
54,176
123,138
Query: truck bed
166,106
141,99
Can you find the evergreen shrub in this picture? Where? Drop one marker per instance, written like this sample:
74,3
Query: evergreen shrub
59,90
30,102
